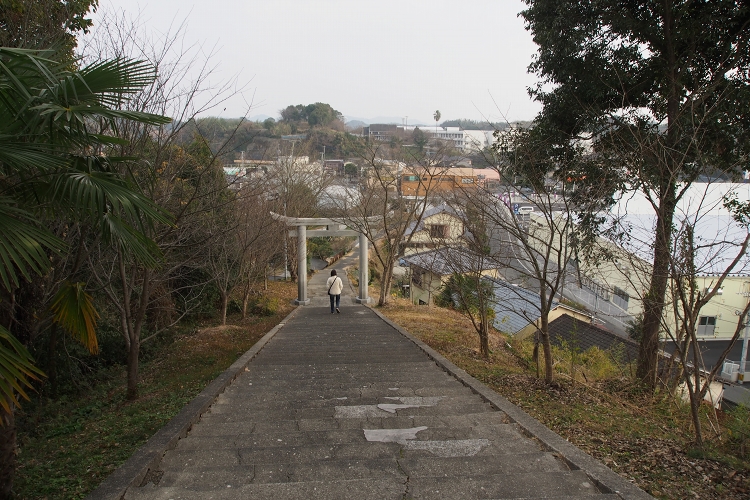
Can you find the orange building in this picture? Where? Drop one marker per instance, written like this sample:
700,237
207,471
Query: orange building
435,181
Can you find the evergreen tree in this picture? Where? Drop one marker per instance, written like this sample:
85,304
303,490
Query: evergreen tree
662,90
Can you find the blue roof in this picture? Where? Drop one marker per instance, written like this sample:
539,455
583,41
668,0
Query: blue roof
515,307
445,261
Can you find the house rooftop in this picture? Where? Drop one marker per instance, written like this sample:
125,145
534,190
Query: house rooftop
446,261
442,208
515,307
577,334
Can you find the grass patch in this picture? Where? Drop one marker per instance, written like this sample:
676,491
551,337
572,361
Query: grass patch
67,446
645,438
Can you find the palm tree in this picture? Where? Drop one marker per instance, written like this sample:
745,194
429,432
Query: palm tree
53,161
436,116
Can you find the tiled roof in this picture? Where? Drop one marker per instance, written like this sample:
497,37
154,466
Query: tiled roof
574,333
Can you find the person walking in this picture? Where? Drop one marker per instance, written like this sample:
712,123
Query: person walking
335,285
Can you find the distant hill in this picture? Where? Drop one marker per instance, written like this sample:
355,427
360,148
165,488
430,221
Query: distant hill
355,124
260,118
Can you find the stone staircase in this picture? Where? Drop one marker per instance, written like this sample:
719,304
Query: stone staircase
344,407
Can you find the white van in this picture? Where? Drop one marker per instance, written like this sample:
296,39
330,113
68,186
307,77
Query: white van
525,210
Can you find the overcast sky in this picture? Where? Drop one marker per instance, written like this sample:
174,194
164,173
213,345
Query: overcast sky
387,58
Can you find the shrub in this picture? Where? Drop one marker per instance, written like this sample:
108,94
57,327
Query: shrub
738,428
266,306
234,306
594,363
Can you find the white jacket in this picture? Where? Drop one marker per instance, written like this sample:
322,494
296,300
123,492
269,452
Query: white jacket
335,284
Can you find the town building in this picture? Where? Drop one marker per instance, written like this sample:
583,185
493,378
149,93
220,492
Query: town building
440,226
462,140
430,270
417,182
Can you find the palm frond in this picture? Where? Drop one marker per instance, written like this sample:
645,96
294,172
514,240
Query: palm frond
91,192
73,309
130,240
112,78
22,156
23,244
17,370
39,95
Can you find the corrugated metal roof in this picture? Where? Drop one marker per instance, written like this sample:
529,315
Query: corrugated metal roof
515,307
717,235
446,261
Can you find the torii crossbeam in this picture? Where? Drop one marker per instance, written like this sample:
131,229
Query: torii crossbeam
333,228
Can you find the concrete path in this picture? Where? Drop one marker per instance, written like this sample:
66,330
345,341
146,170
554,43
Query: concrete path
348,406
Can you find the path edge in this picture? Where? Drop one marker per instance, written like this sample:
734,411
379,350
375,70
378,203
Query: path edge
604,477
148,456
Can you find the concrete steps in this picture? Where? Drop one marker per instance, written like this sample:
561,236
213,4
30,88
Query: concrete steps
549,486
344,407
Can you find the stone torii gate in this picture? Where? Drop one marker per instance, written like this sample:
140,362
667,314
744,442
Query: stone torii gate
333,228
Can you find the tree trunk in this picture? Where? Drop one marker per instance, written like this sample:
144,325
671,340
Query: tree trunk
224,303
132,318
7,453
484,333
484,343
245,302
133,353
653,302
695,403
385,284
547,349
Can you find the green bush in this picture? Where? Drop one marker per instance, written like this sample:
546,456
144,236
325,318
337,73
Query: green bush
234,306
320,248
594,363
266,306
738,428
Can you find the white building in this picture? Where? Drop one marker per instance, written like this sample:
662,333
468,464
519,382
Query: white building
463,140
477,140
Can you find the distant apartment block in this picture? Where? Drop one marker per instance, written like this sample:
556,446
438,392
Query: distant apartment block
463,140
381,132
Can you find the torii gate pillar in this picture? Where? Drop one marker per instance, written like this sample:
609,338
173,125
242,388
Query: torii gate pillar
364,271
338,230
302,299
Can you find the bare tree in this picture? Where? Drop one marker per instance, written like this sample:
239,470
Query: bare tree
381,209
298,186
470,263
189,183
261,237
531,232
720,255
238,251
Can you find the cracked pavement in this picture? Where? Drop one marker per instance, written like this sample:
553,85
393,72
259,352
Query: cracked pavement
346,406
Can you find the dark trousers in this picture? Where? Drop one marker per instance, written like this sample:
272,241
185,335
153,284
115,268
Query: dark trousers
336,299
